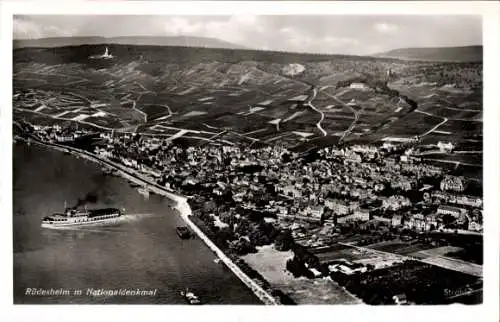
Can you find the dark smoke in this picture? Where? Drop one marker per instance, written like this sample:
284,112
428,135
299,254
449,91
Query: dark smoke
88,198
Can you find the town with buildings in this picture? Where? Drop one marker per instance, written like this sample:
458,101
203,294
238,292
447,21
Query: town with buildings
381,204
325,158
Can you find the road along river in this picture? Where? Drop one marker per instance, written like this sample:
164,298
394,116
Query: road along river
142,251
181,206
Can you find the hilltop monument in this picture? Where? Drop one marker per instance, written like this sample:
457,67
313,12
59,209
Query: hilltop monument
106,55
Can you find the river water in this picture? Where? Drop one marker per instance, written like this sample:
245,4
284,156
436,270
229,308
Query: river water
142,251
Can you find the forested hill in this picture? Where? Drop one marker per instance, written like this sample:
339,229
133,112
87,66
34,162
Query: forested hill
170,54
185,41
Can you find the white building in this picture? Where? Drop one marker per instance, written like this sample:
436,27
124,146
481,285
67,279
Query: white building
450,210
347,268
339,207
469,201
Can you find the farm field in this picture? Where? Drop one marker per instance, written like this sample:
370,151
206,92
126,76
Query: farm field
412,124
245,92
466,158
421,283
399,247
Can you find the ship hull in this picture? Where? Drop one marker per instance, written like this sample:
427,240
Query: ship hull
55,225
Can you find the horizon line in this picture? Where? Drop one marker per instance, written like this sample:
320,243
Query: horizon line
374,54
204,37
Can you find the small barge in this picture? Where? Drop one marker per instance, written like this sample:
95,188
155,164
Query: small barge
183,232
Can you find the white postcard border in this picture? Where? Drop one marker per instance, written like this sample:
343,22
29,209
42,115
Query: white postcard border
488,311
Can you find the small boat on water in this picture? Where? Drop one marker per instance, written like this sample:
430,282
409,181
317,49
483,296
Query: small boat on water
217,260
183,232
190,297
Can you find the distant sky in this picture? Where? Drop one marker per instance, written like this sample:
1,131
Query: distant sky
342,34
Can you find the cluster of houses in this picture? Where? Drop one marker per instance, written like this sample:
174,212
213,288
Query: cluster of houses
343,185
57,133
305,191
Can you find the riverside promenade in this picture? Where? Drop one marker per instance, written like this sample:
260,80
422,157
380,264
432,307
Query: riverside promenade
181,206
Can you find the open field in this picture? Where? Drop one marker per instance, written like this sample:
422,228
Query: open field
468,127
413,124
344,252
438,251
455,265
452,113
399,247
270,263
466,158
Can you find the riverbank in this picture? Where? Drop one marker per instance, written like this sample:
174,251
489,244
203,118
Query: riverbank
181,205
185,211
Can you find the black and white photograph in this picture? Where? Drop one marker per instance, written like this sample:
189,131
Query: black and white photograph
248,159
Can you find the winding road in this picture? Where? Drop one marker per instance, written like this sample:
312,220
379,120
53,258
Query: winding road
356,114
309,103
435,127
